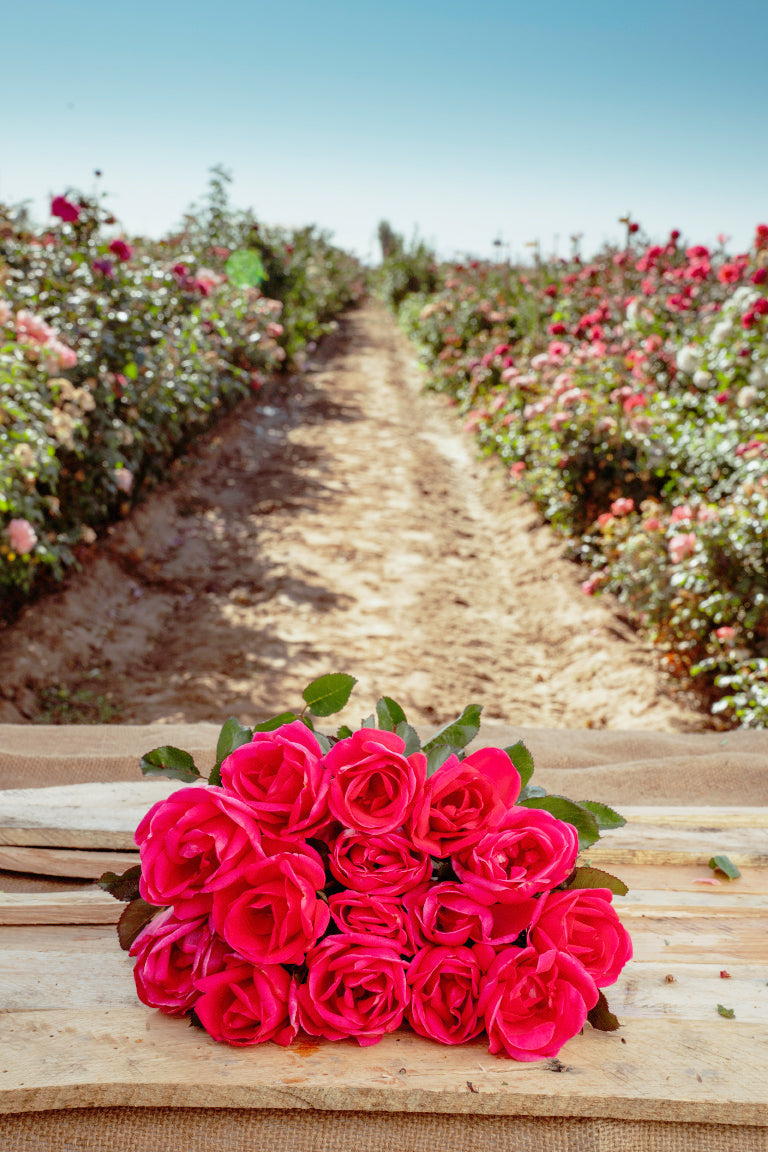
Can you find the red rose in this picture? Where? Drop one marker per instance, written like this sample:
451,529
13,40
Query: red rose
445,985
282,777
532,853
244,1005
386,864
166,952
64,209
449,913
354,988
583,923
532,1002
373,785
194,842
367,914
272,914
121,249
464,799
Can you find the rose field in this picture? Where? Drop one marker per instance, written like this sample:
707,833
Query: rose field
209,490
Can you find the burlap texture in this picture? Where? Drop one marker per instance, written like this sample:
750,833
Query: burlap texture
614,766
240,1130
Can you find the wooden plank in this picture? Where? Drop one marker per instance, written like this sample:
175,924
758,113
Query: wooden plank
87,865
687,878
89,906
696,816
711,1072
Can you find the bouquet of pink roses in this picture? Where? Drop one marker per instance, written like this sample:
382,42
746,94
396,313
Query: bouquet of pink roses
345,885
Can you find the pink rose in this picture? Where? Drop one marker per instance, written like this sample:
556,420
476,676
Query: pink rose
373,785
22,536
121,249
681,545
449,913
282,777
531,853
166,951
583,923
533,1002
353,989
196,841
272,914
445,986
367,914
244,1005
387,864
64,209
464,799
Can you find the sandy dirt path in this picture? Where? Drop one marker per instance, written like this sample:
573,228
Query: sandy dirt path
350,528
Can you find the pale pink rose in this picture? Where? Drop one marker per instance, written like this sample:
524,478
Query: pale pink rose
583,923
274,329
34,328
123,478
623,506
681,513
353,989
530,853
533,1002
282,777
196,841
166,952
271,913
462,800
244,1005
445,984
373,784
22,536
681,545
726,634
5,312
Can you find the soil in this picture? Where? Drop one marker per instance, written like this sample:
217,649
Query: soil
343,523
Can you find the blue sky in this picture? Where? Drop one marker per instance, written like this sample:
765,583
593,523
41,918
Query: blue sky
466,121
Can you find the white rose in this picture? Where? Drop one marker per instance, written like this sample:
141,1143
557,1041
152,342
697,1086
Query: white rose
758,376
702,379
688,358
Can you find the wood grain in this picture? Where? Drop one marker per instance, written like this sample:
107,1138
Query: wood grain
87,865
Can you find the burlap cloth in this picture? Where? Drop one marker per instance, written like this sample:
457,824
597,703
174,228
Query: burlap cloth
616,767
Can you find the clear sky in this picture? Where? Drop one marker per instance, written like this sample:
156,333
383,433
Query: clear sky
465,120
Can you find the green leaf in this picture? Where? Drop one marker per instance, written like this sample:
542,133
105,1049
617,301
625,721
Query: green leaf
329,694
136,916
726,866
605,817
124,886
130,370
522,760
582,820
369,722
344,732
323,741
390,714
588,877
170,762
411,737
458,733
727,1012
233,735
601,1017
530,790
275,722
436,757
244,269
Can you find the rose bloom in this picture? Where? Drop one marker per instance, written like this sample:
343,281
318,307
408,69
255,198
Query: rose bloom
282,777
681,545
387,864
373,784
355,987
533,1002
445,984
366,914
272,914
623,506
121,249
583,923
196,841
531,853
22,536
464,799
448,913
64,209
244,1005
166,951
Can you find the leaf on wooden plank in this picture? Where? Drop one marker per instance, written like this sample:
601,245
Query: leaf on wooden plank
589,877
171,762
605,817
135,917
122,887
724,865
601,1017
728,1013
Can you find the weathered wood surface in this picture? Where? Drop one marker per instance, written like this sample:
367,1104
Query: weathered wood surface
73,1034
